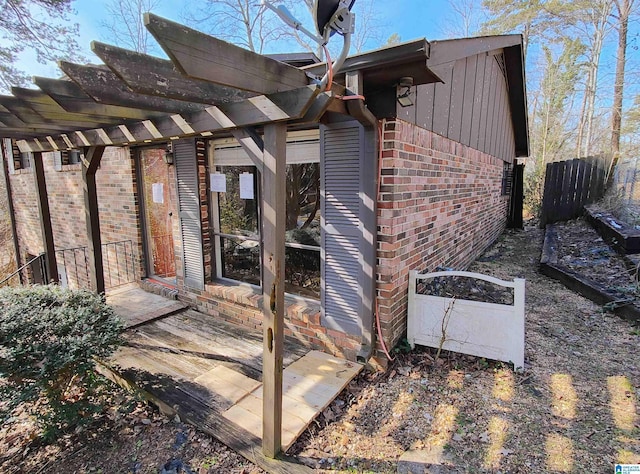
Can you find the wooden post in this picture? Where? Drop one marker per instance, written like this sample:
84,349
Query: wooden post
45,219
273,230
7,154
90,164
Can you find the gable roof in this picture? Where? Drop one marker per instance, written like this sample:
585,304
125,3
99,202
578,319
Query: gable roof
446,51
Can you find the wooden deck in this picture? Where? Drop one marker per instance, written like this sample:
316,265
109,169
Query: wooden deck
209,372
136,306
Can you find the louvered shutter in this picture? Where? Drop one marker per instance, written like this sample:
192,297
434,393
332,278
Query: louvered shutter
184,153
57,160
342,158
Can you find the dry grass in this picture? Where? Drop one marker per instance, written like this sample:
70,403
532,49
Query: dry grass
574,409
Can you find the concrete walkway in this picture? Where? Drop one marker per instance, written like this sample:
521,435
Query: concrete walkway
137,306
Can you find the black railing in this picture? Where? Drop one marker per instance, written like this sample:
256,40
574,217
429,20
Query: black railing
33,271
117,260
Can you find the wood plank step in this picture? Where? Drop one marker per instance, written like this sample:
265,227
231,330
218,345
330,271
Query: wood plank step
310,384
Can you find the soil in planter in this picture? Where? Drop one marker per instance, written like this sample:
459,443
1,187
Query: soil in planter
581,249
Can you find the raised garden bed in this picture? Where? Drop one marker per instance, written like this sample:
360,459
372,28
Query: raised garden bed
574,254
624,237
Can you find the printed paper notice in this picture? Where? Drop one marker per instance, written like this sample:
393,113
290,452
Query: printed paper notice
246,186
218,183
157,189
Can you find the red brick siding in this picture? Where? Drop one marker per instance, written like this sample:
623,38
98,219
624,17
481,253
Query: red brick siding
118,208
440,204
241,304
27,216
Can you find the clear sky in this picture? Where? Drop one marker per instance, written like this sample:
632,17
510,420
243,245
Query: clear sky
411,19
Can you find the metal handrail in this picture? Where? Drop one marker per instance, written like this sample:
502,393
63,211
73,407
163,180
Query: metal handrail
21,268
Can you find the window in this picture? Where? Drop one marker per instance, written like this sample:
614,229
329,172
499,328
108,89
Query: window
236,215
507,178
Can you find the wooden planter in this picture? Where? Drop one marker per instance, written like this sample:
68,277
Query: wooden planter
588,288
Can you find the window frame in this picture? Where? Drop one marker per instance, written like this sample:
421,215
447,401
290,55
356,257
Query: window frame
238,158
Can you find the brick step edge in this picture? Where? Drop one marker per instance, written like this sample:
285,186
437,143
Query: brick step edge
148,286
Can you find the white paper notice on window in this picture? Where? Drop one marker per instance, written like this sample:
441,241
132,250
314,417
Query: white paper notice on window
218,183
157,189
246,186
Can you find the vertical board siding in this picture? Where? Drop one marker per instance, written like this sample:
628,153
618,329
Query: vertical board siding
569,186
189,207
341,160
471,106
457,99
442,100
468,100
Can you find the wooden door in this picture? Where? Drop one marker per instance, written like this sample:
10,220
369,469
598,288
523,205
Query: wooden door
158,209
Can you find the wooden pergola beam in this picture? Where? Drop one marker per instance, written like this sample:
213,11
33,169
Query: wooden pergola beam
73,99
20,110
45,219
159,77
105,87
50,110
279,107
204,57
90,163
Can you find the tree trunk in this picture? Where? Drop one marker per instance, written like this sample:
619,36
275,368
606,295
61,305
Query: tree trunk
624,10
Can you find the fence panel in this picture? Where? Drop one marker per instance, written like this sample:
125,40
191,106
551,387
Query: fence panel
569,186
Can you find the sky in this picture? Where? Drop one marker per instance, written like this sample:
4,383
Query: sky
411,19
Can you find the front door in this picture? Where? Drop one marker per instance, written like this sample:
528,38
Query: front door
158,209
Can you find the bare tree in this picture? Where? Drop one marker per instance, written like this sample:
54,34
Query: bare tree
41,26
624,9
242,22
466,19
124,24
591,20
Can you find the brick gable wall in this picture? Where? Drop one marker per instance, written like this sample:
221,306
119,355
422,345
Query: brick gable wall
440,205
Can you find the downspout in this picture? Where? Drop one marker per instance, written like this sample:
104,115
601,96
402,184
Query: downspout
7,152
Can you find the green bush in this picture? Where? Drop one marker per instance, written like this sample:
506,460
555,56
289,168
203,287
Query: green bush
49,339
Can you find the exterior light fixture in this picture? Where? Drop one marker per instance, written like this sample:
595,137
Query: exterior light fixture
404,92
168,154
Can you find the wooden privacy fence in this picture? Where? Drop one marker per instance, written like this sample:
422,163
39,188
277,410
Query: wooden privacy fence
569,186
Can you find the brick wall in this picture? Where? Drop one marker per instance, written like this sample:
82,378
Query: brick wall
440,204
242,304
116,185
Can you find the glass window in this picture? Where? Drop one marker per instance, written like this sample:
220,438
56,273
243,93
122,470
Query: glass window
302,255
237,231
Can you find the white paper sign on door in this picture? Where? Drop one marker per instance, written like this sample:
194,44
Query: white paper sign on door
157,189
246,186
218,183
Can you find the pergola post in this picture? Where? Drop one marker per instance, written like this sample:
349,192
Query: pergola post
45,219
273,235
90,163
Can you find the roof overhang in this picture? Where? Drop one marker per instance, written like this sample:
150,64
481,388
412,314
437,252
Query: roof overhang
447,51
386,66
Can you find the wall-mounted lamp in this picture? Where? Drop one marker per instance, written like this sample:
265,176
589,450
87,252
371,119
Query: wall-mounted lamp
404,91
168,154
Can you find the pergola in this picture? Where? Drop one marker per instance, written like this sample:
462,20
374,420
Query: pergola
207,86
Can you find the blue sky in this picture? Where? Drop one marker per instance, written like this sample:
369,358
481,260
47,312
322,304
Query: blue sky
411,19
